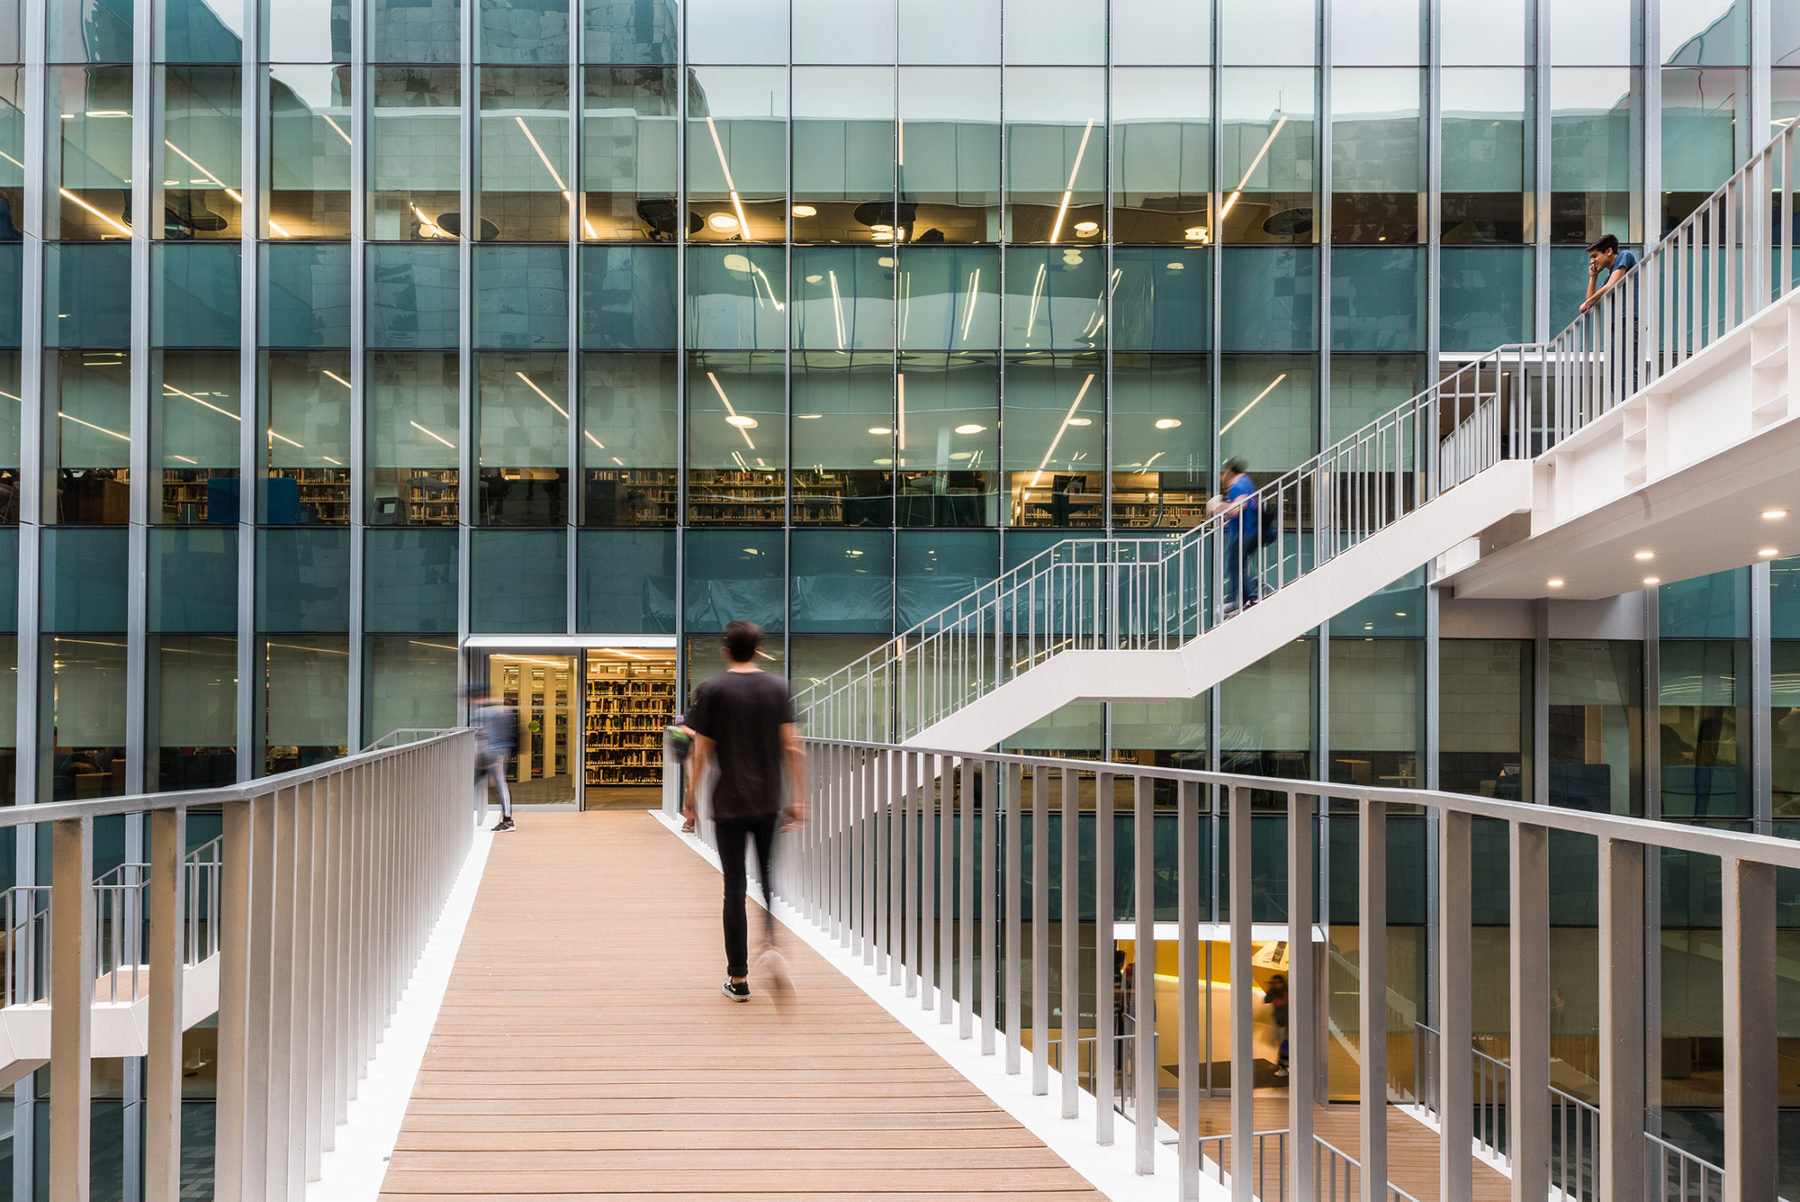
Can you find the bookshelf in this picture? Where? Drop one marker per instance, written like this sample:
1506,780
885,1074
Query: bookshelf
630,497
629,701
737,498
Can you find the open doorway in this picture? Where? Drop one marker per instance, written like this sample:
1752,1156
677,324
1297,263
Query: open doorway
540,687
630,698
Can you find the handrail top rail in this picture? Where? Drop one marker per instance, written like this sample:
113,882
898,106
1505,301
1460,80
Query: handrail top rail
1729,845
144,803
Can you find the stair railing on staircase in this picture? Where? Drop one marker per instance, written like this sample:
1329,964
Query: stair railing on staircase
1729,260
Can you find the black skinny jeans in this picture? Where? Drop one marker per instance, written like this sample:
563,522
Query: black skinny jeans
733,834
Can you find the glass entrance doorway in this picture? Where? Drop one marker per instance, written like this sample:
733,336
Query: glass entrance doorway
541,689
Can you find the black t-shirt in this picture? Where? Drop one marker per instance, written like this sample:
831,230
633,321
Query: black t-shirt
743,713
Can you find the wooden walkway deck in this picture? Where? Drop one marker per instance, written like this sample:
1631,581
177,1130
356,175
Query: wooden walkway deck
584,1049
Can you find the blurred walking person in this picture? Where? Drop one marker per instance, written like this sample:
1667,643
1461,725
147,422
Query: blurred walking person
1243,530
498,725
744,722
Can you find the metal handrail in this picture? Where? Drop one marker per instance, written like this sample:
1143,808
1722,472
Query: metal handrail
1730,259
903,839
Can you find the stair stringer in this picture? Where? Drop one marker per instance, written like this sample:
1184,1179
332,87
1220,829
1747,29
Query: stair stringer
1408,543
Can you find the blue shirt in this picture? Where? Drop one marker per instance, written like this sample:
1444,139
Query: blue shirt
1242,489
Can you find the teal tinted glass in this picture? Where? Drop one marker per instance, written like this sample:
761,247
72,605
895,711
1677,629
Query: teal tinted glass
84,581
305,294
87,294
935,570
194,294
843,581
628,31
412,297
1055,298
843,298
522,297
1377,298
1162,298
737,297
1274,299
302,580
522,31
1706,607
193,580
409,581
735,574
415,31
625,581
518,580
1486,297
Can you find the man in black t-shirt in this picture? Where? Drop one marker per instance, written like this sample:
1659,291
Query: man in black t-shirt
743,719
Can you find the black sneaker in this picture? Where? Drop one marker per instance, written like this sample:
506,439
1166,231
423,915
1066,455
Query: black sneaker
504,825
737,991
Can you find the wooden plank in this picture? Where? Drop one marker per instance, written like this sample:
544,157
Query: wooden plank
583,1049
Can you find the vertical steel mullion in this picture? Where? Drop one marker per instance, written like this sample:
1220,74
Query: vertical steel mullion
1622,1027
1012,885
1105,1015
1143,993
1187,886
1752,1087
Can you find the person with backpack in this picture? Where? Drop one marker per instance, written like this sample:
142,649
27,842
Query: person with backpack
498,725
1243,534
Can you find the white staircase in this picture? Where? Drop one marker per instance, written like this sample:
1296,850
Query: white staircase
1486,467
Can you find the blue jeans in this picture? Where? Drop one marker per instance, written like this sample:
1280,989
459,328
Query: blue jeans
1240,569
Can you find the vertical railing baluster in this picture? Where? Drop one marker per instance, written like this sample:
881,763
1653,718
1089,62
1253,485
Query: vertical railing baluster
1528,1095
1143,977
1303,993
1105,1017
168,904
992,797
1622,1084
1752,1054
72,913
1243,1054
1040,931
1012,885
1070,942
965,899
1455,1027
1187,955
1371,896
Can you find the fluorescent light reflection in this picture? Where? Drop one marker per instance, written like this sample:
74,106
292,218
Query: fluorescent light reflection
1253,403
432,434
1251,170
532,384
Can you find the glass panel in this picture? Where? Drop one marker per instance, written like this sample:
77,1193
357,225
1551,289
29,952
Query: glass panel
524,156
1268,411
307,700
830,31
89,160
1705,698
737,31
519,581
1377,298
1596,725
1055,298
305,294
12,414
545,691
414,299
415,31
843,298
196,411
630,159
844,415
1281,31
84,582
735,574
1365,388
630,410
1706,607
1592,171
950,445
12,152
83,720
411,686
625,581
414,431
1396,610
844,158
1055,436
522,31
1055,154
193,728
409,581
88,31
1486,298
1269,158
1161,32
935,570
949,151
194,290
307,433
1265,722
193,581
628,298
1375,690
737,298
415,156
88,437
843,581
949,298
1162,299
923,24
200,154
306,31
1487,170
1785,700
626,31
1784,598
736,438
521,297
87,294
1487,32
1706,33
522,419
737,149
309,151
1699,137
1162,155
1161,472
1377,156
1378,32
303,580
1597,34
1054,31
1484,709
1275,298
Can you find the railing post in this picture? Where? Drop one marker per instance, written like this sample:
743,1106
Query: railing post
1752,1088
1040,931
167,889
965,902
1071,944
1371,885
232,1130
1528,1103
1303,1021
1455,1022
1187,971
71,1006
1105,1017
1622,1033
1243,1050
1143,993
1012,887
991,801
